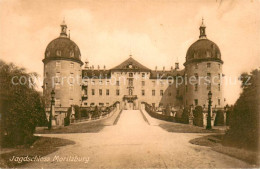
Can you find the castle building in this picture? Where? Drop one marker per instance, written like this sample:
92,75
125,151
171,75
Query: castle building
131,83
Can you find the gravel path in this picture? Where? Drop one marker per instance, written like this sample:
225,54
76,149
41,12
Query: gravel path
132,143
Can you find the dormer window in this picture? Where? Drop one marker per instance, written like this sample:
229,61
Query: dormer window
58,53
48,53
71,53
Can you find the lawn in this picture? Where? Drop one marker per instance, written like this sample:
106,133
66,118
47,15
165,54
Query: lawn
90,127
41,147
85,127
185,128
214,141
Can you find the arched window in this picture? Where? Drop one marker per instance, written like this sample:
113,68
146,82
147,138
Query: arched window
71,53
48,53
58,53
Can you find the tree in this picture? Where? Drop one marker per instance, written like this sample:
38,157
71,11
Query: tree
22,108
244,119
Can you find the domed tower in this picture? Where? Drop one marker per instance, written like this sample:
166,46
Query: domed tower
203,70
62,72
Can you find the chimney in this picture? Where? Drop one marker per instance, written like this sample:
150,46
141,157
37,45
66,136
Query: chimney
171,68
176,65
104,67
98,67
156,68
163,68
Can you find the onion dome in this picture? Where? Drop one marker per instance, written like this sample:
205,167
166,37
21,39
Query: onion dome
62,48
203,49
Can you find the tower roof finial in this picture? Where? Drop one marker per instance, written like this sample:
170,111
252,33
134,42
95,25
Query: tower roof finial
202,30
63,26
202,23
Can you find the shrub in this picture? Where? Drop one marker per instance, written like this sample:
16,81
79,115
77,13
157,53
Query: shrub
21,107
185,116
198,116
244,118
219,120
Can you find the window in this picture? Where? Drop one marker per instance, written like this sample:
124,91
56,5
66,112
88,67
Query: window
57,74
117,83
58,64
218,87
219,66
196,87
153,83
71,102
107,92
130,92
143,74
130,82
196,65
143,92
57,85
71,87
85,104
161,82
208,86
71,74
143,83
208,65
71,53
93,92
71,65
57,102
153,92
101,104
130,74
161,92
92,104
169,94
196,102
100,92
58,53
208,75
117,92
219,102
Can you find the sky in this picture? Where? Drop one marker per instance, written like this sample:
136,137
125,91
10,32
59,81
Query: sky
156,32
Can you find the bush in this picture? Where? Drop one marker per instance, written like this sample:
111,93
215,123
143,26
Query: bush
219,120
22,108
198,116
185,116
244,118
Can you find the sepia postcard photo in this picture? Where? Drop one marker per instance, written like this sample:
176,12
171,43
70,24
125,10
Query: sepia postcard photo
129,84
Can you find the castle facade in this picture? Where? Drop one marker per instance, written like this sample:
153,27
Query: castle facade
131,83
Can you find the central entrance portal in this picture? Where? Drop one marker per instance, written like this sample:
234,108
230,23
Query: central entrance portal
130,106
130,102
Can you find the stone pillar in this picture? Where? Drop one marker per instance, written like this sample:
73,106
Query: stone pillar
53,121
191,117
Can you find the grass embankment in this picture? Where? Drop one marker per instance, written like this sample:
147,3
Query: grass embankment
214,141
185,128
85,127
91,127
41,147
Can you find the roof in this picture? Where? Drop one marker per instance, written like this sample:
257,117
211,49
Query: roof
131,65
165,74
96,74
63,47
203,49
